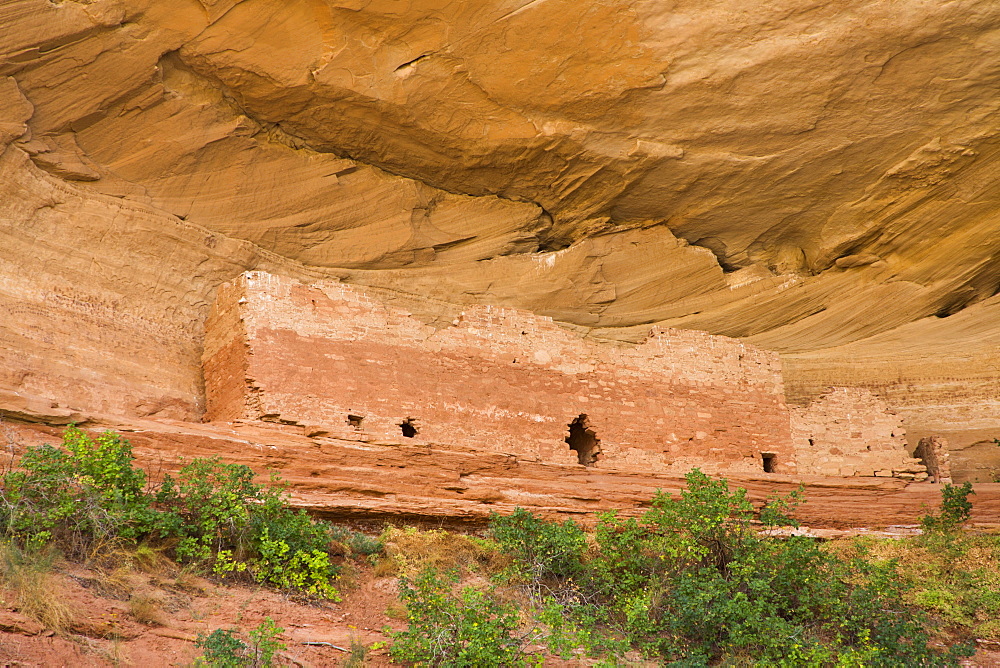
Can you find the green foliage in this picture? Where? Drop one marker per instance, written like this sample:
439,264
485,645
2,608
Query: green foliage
696,581
356,542
86,492
955,509
211,504
568,628
222,517
467,629
953,576
213,514
308,571
264,644
225,649
541,550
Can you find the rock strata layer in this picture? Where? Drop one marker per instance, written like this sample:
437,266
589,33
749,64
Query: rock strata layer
440,485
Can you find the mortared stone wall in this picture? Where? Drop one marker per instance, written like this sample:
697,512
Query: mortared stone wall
334,359
851,432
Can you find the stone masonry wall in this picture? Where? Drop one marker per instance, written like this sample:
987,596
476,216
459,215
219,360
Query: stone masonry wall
933,452
330,357
851,432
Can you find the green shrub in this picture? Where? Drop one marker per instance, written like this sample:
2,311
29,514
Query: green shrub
696,581
211,505
356,542
955,577
224,648
226,519
540,550
955,510
87,494
468,629
281,566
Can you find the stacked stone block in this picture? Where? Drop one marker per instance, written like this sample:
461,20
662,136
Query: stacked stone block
851,432
933,452
330,357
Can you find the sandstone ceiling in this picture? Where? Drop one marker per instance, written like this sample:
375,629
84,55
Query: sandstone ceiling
818,177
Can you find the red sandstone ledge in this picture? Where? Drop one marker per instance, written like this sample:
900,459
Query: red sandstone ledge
430,484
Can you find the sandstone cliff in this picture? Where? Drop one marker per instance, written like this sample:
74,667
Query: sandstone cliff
818,178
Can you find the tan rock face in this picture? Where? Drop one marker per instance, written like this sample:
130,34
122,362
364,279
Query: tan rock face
102,302
816,177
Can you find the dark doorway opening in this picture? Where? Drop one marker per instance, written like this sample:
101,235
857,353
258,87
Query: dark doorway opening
583,441
770,460
408,427
355,421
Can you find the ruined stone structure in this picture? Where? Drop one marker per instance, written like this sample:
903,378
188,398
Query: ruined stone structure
498,379
933,452
850,432
828,198
332,358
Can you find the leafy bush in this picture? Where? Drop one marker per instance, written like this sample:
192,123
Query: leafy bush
468,629
954,577
209,508
695,580
955,510
226,519
355,542
85,493
88,494
540,549
308,571
224,648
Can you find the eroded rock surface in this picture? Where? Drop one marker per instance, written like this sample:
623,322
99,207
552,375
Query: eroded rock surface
818,178
451,486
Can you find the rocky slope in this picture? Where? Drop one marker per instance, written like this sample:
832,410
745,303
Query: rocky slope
819,178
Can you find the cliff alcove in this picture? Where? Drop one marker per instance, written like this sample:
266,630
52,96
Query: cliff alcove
816,180
438,261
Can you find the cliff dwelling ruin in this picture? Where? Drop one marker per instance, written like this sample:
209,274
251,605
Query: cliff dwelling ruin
637,208
335,359
433,262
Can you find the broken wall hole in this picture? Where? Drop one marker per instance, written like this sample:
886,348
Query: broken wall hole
355,421
409,427
583,440
770,460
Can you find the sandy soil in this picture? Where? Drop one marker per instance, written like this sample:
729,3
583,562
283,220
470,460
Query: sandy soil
105,633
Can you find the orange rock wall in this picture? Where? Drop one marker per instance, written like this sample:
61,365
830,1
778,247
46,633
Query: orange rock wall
103,300
498,379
